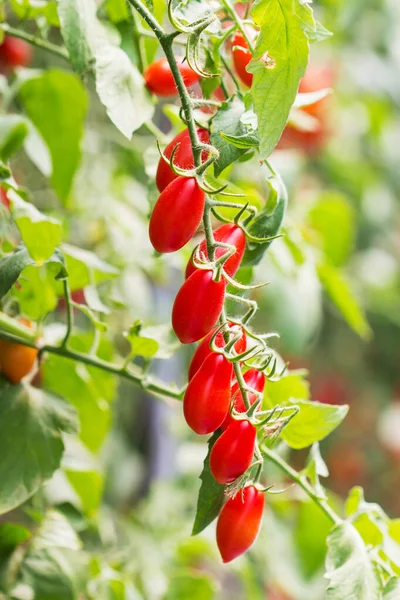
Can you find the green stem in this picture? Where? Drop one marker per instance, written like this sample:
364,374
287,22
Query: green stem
34,40
70,312
137,41
238,21
303,483
148,383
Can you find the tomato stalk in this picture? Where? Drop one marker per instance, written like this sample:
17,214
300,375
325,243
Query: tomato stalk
35,41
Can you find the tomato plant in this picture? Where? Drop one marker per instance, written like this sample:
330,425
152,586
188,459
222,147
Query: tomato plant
159,78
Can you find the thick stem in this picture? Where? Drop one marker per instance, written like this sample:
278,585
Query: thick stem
303,483
35,41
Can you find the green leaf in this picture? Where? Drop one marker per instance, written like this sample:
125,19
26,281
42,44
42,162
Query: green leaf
292,385
349,569
31,446
34,9
140,345
117,10
85,267
211,494
13,131
392,589
267,223
190,584
342,296
11,267
313,423
119,84
60,124
12,535
279,62
41,234
315,469
228,121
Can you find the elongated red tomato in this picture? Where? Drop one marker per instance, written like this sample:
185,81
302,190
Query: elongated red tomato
228,233
183,156
203,349
242,56
197,306
176,214
206,401
233,451
239,522
254,379
159,78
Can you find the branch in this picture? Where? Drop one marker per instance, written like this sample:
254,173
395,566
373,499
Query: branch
35,41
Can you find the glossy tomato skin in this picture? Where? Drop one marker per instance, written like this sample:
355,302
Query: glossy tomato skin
197,306
183,157
254,379
3,198
159,79
16,360
242,56
14,53
203,349
233,451
176,215
206,401
239,522
229,233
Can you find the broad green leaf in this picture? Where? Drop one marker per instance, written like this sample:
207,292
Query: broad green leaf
332,220
350,571
211,494
279,62
41,234
31,446
292,385
11,267
13,131
392,589
338,290
313,423
190,584
140,345
227,120
119,84
61,124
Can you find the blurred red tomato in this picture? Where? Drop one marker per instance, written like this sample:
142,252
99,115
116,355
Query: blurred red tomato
3,198
332,388
14,53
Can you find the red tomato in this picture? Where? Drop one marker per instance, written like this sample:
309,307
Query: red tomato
233,452
203,349
206,400
183,156
197,306
159,79
254,379
239,522
242,55
17,360
3,198
229,234
176,215
14,53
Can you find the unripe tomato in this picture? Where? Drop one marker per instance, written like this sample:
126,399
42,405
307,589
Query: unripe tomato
159,78
183,157
203,349
242,56
197,306
3,198
239,522
176,215
16,360
14,53
233,451
206,401
254,379
228,233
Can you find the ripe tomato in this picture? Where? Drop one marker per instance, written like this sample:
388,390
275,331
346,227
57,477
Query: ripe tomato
233,451
14,53
197,306
206,401
16,360
242,55
229,234
203,349
254,379
159,79
239,522
176,214
183,156
3,198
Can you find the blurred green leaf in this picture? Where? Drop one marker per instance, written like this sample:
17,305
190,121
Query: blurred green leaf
31,446
349,569
61,124
392,589
315,469
117,10
13,131
85,267
11,535
292,385
227,120
11,267
342,296
34,9
312,529
190,584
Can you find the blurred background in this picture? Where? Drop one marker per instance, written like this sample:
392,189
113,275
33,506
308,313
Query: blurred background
343,179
